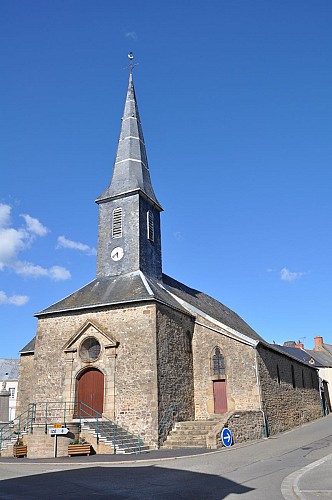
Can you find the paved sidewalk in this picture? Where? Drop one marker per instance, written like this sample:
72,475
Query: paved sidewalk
310,483
151,455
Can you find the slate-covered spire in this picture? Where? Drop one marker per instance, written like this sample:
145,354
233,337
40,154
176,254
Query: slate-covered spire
131,170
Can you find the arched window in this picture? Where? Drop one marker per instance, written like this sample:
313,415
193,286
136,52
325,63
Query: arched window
150,225
117,223
218,363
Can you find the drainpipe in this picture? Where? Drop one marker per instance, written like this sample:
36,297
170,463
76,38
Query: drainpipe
266,434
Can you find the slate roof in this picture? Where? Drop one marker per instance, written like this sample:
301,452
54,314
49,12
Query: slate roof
30,347
210,306
136,287
114,290
298,354
10,367
323,358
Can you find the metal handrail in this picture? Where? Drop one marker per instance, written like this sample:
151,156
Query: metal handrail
168,420
114,428
49,412
15,428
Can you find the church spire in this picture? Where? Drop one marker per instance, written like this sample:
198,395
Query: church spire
131,170
129,238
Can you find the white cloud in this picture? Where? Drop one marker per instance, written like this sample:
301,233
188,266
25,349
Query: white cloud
59,273
287,275
55,273
13,241
131,34
4,215
16,300
34,225
63,242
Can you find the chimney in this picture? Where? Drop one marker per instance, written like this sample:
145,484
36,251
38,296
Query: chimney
318,343
299,345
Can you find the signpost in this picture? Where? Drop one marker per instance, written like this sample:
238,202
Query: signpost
226,437
55,431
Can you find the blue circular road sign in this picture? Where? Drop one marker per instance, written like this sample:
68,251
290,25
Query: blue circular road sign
226,437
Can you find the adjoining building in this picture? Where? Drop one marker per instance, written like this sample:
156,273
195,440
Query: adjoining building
321,358
8,388
138,348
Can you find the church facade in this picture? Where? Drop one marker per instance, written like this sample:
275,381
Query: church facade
135,345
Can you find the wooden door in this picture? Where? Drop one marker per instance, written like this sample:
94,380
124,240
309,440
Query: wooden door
90,391
220,396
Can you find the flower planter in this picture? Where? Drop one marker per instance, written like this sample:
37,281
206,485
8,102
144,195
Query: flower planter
20,451
79,449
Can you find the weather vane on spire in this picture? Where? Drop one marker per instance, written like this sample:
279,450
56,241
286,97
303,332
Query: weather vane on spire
131,64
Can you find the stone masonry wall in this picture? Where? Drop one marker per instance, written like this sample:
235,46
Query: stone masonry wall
175,369
26,383
130,375
286,406
242,390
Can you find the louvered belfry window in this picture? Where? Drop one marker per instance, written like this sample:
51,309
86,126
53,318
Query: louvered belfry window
150,222
218,363
117,223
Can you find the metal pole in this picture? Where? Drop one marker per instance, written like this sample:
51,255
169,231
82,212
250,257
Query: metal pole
55,444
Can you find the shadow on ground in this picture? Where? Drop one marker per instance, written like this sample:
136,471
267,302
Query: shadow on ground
145,483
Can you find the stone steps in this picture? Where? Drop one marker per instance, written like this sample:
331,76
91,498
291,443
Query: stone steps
193,434
125,443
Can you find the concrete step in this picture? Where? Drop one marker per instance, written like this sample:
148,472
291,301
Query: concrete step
191,434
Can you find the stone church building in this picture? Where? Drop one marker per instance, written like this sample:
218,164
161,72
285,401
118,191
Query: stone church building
145,350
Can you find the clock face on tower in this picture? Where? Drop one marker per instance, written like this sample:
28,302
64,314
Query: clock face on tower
117,253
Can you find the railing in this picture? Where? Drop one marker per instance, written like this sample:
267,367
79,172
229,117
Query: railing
50,412
167,422
102,425
14,429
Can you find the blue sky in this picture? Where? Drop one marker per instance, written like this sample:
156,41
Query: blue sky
235,102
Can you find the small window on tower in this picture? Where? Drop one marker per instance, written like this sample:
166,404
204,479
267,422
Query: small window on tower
117,223
150,225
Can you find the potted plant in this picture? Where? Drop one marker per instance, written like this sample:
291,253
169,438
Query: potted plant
20,449
79,447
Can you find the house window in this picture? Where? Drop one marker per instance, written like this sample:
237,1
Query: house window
303,380
218,363
11,392
293,377
150,225
117,223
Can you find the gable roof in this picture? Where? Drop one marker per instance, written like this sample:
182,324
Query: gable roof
136,287
114,290
210,306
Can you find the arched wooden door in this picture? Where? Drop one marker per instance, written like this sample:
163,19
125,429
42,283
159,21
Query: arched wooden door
90,391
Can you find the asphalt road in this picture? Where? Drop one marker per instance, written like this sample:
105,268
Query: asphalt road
264,470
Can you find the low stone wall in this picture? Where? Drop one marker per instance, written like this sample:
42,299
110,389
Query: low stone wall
244,426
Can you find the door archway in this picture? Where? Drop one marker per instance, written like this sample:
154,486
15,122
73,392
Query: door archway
90,392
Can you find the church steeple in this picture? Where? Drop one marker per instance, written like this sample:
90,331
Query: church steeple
129,212
131,170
